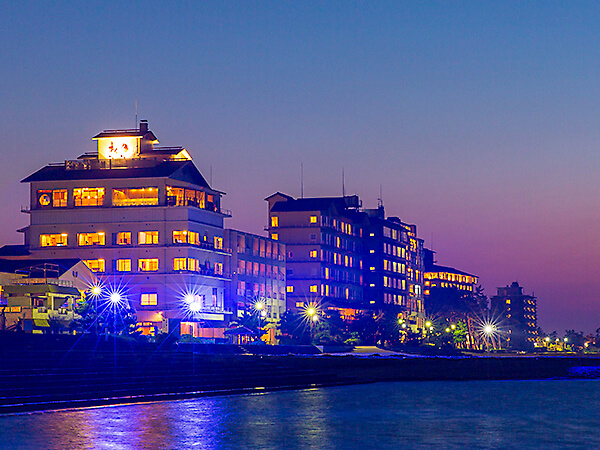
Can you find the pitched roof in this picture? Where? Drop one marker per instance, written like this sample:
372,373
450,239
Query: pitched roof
149,135
436,268
313,204
36,266
177,170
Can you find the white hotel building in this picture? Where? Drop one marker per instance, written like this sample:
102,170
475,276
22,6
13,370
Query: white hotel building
146,221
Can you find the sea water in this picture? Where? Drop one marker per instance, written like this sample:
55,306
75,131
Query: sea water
475,414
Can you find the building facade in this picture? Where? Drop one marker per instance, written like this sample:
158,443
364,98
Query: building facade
145,220
517,316
393,263
443,277
323,242
257,267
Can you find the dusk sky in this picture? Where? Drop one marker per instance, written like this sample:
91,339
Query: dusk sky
479,120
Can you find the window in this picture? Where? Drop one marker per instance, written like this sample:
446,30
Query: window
314,288
219,268
193,264
313,237
290,289
274,221
313,219
124,238
123,265
146,196
179,263
53,240
48,198
88,196
148,265
179,237
218,243
313,253
59,198
149,299
275,236
90,238
95,265
148,237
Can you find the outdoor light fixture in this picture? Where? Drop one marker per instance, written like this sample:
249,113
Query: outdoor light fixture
195,306
96,290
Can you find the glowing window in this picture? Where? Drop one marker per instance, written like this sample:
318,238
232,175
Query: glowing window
124,238
88,196
146,196
219,268
193,237
95,265
274,221
218,243
149,299
91,238
179,237
193,264
290,289
313,219
179,263
148,237
314,288
313,253
148,265
275,236
53,240
123,265
59,198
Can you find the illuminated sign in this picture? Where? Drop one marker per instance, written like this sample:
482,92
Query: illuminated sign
118,147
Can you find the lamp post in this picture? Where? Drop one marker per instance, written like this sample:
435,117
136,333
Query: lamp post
262,312
312,315
488,332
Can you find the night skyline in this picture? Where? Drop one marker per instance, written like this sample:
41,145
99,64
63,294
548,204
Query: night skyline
477,120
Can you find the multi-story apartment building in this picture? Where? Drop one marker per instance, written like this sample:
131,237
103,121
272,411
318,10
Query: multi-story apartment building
516,314
145,220
257,267
323,240
393,262
444,277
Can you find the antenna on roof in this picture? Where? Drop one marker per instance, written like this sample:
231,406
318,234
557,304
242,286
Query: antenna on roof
343,183
380,199
211,174
136,122
301,180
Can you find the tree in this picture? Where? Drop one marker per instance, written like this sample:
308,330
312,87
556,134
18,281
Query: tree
293,329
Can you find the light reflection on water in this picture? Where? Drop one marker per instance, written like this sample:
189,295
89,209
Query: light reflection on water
487,414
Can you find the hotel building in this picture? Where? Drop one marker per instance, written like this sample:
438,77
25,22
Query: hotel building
145,220
257,275
516,313
444,277
393,263
324,250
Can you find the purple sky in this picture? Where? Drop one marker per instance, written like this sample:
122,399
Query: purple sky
478,119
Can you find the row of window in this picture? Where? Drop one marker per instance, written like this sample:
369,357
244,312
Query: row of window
124,238
144,196
451,277
333,291
152,265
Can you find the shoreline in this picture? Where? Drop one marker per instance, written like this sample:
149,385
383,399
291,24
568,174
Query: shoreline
50,373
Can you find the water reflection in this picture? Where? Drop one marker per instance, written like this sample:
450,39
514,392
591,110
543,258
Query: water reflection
530,414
